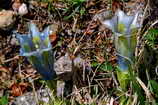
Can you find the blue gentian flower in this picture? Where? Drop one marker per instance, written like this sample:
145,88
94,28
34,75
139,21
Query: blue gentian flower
125,29
36,46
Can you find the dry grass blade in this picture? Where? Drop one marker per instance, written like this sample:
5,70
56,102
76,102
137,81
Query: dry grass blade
147,91
135,99
139,31
34,91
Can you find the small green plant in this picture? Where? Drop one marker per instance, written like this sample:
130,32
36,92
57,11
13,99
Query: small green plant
74,7
152,37
4,100
106,66
153,86
76,2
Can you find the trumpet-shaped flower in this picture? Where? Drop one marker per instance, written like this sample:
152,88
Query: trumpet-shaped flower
124,28
121,23
37,48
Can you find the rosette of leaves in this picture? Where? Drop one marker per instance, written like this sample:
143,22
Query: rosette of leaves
125,29
36,46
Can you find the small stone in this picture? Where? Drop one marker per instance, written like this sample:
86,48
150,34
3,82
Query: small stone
23,9
6,18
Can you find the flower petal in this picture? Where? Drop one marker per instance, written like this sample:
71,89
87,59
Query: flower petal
35,34
135,23
124,22
111,23
26,44
44,64
45,37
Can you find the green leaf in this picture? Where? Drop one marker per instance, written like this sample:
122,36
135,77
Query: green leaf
106,66
4,100
77,2
125,100
94,64
154,87
152,37
82,11
123,78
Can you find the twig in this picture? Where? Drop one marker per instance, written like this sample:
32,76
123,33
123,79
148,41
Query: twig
11,59
156,70
111,101
95,72
124,93
74,25
135,99
80,90
20,74
86,30
114,78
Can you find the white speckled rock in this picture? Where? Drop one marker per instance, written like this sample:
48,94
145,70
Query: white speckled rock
6,19
23,9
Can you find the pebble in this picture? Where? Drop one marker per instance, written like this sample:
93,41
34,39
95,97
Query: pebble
23,9
6,18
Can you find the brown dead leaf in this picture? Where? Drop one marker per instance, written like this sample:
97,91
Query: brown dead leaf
92,11
100,59
91,28
116,5
23,86
72,57
89,32
98,40
90,3
34,3
52,37
3,69
18,89
113,58
44,5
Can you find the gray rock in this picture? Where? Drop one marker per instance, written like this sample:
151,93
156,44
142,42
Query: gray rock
29,98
